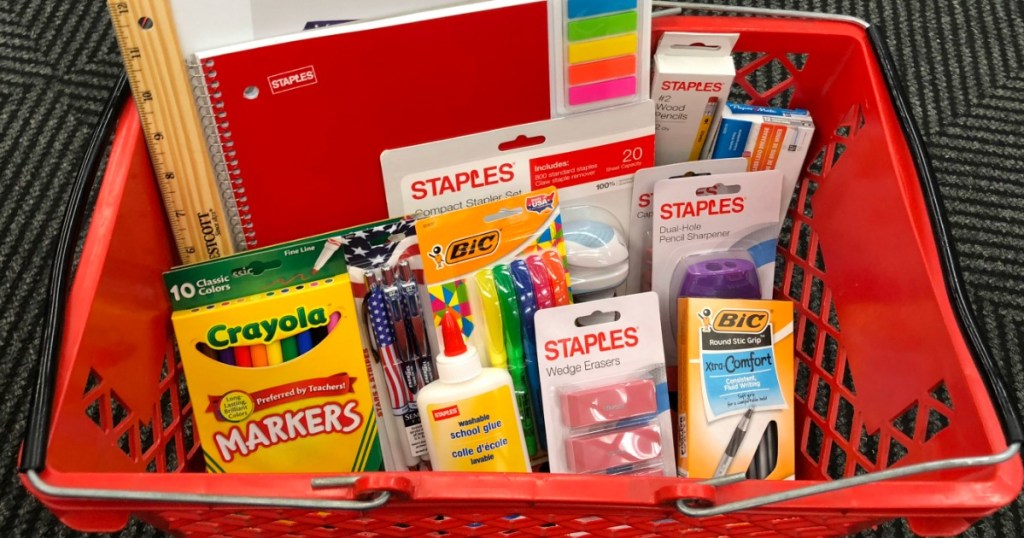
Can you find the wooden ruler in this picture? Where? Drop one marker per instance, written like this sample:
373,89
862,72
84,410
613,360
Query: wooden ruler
174,132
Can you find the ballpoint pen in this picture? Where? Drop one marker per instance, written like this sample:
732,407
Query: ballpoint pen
382,334
393,304
492,319
734,444
413,313
527,309
512,334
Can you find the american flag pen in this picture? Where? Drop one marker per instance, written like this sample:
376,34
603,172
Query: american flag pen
384,336
414,316
393,301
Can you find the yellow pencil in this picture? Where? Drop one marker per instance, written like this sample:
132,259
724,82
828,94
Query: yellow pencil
705,127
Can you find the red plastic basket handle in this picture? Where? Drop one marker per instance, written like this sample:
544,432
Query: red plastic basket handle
700,508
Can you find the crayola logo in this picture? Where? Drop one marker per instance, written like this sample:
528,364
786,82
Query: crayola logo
733,320
261,332
472,247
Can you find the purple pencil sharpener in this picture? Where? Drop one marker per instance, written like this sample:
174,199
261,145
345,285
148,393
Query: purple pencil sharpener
726,278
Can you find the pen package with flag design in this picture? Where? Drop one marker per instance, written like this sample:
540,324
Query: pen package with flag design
386,272
494,266
278,379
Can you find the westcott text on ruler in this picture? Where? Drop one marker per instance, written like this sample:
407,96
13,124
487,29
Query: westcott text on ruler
174,133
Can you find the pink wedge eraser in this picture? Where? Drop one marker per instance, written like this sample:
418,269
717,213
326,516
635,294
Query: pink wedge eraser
604,451
609,403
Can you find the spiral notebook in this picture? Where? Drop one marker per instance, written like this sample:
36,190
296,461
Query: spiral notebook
301,120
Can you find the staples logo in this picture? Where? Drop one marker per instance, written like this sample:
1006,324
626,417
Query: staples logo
702,208
292,80
445,412
452,183
690,86
599,342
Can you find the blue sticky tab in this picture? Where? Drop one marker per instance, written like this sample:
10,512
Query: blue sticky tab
588,8
763,253
732,139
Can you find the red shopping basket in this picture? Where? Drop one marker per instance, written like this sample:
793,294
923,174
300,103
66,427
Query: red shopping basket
893,379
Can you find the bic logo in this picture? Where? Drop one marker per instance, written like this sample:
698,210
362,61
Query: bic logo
465,249
740,321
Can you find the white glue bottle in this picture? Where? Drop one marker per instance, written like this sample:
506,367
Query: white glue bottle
469,413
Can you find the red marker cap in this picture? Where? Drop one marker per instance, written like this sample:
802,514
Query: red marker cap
454,345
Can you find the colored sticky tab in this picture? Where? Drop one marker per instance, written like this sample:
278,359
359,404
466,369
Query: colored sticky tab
585,73
599,49
602,91
589,8
619,23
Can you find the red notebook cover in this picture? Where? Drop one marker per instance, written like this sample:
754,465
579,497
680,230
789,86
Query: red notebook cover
303,119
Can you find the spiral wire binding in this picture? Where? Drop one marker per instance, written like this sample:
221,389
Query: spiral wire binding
230,185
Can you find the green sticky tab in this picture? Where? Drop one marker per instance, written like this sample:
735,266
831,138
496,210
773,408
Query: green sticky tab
595,27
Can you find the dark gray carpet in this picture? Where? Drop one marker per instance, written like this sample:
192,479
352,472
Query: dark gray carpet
962,63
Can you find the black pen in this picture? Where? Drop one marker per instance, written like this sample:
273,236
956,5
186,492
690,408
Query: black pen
734,444
414,317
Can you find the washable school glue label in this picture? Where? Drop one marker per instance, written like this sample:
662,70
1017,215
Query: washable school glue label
738,364
480,434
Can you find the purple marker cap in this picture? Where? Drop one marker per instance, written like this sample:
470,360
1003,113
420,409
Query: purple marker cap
726,278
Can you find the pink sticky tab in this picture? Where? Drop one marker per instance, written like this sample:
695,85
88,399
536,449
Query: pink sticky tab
602,91
610,403
601,452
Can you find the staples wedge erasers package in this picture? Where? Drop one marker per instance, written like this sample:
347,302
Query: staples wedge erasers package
641,212
714,236
769,138
603,380
590,157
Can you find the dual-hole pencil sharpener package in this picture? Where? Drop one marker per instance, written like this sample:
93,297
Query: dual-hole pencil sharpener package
603,379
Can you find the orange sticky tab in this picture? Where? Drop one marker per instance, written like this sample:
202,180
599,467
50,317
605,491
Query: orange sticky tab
602,70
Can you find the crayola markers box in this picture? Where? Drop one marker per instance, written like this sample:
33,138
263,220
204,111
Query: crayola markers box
278,379
736,376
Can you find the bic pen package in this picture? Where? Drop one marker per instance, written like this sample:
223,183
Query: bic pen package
384,265
494,266
736,376
605,389
277,379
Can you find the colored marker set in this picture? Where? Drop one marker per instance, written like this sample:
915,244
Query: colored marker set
494,280
601,50
506,298
273,361
274,352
